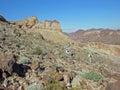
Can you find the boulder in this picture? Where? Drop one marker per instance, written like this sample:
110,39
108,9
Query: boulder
7,62
35,65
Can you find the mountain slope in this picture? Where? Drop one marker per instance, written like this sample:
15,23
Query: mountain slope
97,35
43,64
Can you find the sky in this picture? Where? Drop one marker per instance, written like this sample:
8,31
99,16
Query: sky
72,14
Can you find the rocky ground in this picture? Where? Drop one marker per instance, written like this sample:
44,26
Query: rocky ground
37,60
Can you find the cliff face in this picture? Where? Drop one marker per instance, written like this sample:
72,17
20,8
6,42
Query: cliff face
97,35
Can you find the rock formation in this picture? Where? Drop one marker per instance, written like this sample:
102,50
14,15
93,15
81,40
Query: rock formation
27,23
32,23
52,25
56,26
47,24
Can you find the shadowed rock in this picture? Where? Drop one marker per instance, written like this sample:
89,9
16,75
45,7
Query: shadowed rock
20,69
7,62
2,19
6,65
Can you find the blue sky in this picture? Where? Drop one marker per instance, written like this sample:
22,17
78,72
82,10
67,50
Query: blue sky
72,14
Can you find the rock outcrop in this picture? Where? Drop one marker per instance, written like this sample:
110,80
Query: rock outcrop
2,19
6,63
51,25
32,23
47,24
56,26
27,23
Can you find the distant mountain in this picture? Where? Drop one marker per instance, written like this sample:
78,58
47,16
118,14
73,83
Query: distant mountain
107,36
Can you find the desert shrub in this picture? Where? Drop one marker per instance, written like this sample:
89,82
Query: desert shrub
85,51
35,51
30,52
34,87
56,51
55,65
23,60
44,53
54,85
77,57
93,76
62,55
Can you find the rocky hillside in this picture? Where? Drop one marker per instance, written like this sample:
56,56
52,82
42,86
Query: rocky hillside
42,58
106,36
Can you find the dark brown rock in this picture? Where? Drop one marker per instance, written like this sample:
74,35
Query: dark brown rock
2,19
7,62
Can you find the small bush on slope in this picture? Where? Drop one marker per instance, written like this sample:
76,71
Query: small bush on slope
93,76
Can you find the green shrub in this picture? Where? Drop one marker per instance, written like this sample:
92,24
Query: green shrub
23,60
77,57
55,65
62,55
35,51
34,87
93,76
53,85
30,52
44,53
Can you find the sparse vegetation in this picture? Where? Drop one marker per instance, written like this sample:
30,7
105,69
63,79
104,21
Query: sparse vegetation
53,85
39,51
63,55
77,57
55,65
93,76
44,53
36,51
34,87
23,60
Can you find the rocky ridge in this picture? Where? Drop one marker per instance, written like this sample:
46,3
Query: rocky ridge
32,23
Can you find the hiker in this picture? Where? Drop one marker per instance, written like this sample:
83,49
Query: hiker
90,56
69,52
